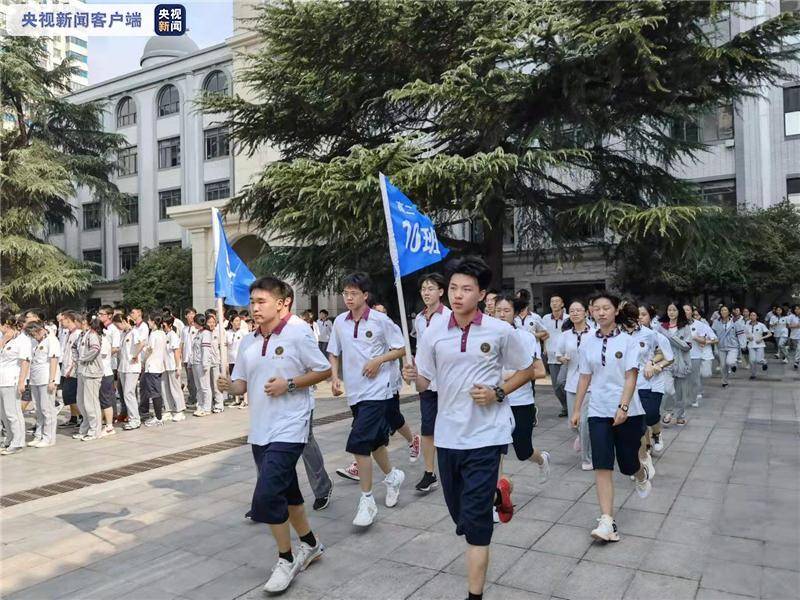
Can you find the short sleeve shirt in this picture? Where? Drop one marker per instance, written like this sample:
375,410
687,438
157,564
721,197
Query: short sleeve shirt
187,340
755,334
422,322
288,352
794,334
532,322
553,327
114,336
357,342
699,329
778,326
127,344
460,358
105,355
324,327
173,343
16,350
523,395
43,351
607,359
568,345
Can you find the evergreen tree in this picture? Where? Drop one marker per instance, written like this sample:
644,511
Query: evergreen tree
163,277
49,148
481,112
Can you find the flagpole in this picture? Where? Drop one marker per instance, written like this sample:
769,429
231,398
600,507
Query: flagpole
223,343
398,284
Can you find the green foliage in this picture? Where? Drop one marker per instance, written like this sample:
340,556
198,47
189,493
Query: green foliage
53,148
163,276
475,108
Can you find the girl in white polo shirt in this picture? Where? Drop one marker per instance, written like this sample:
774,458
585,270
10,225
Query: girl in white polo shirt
233,337
777,325
174,402
576,330
756,333
15,361
155,356
652,378
201,365
609,361
43,382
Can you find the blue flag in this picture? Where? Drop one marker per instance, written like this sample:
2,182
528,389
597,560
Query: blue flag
232,278
414,234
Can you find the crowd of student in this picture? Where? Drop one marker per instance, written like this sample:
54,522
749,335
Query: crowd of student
611,363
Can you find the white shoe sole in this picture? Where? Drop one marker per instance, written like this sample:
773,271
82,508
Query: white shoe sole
314,556
613,537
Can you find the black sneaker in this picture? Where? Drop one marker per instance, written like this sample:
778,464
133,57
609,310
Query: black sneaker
563,412
733,369
752,376
248,514
322,503
71,422
764,367
535,415
428,483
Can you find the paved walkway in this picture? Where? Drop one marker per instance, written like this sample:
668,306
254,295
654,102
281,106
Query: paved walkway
723,520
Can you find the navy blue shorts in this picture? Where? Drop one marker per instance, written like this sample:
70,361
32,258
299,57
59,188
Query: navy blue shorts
107,393
469,483
394,417
69,390
522,436
428,408
651,403
623,441
276,487
150,386
370,429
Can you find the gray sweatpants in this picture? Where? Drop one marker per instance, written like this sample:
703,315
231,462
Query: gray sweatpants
583,425
756,360
727,359
11,416
219,397
559,391
172,392
129,382
46,414
191,387
202,379
314,464
89,405
676,403
696,381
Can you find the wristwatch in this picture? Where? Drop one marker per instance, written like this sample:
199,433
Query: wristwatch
291,385
624,407
501,395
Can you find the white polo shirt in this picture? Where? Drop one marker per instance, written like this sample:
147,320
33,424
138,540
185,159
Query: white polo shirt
187,341
460,358
105,355
69,355
553,327
234,340
12,354
568,345
523,395
531,323
755,333
40,360
173,343
157,359
778,326
126,355
288,352
607,360
793,319
325,328
700,329
143,332
357,342
422,322
114,336
178,325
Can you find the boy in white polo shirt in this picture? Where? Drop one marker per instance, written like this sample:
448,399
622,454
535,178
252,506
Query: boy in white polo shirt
553,322
466,356
276,367
367,342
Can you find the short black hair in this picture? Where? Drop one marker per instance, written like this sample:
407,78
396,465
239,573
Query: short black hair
200,320
472,266
189,310
106,308
359,280
276,287
436,278
323,311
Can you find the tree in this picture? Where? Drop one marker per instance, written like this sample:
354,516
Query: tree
163,276
730,256
49,148
477,109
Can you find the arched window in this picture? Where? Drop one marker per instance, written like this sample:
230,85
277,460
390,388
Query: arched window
168,101
216,83
126,112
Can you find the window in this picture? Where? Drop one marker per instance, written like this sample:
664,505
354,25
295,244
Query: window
216,83
793,190
128,257
82,73
171,244
91,216
129,211
791,110
718,125
719,193
78,42
791,6
79,57
169,153
126,161
168,101
95,257
509,228
126,112
217,142
53,226
218,190
167,198
685,130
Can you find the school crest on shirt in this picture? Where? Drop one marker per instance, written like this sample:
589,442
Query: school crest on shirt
368,334
641,344
485,347
618,354
278,350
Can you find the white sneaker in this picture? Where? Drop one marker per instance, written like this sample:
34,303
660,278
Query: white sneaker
308,554
77,436
544,468
282,575
367,511
34,443
200,413
393,481
153,422
606,529
643,487
587,466
658,443
166,417
216,411
107,430
695,404
495,516
178,416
